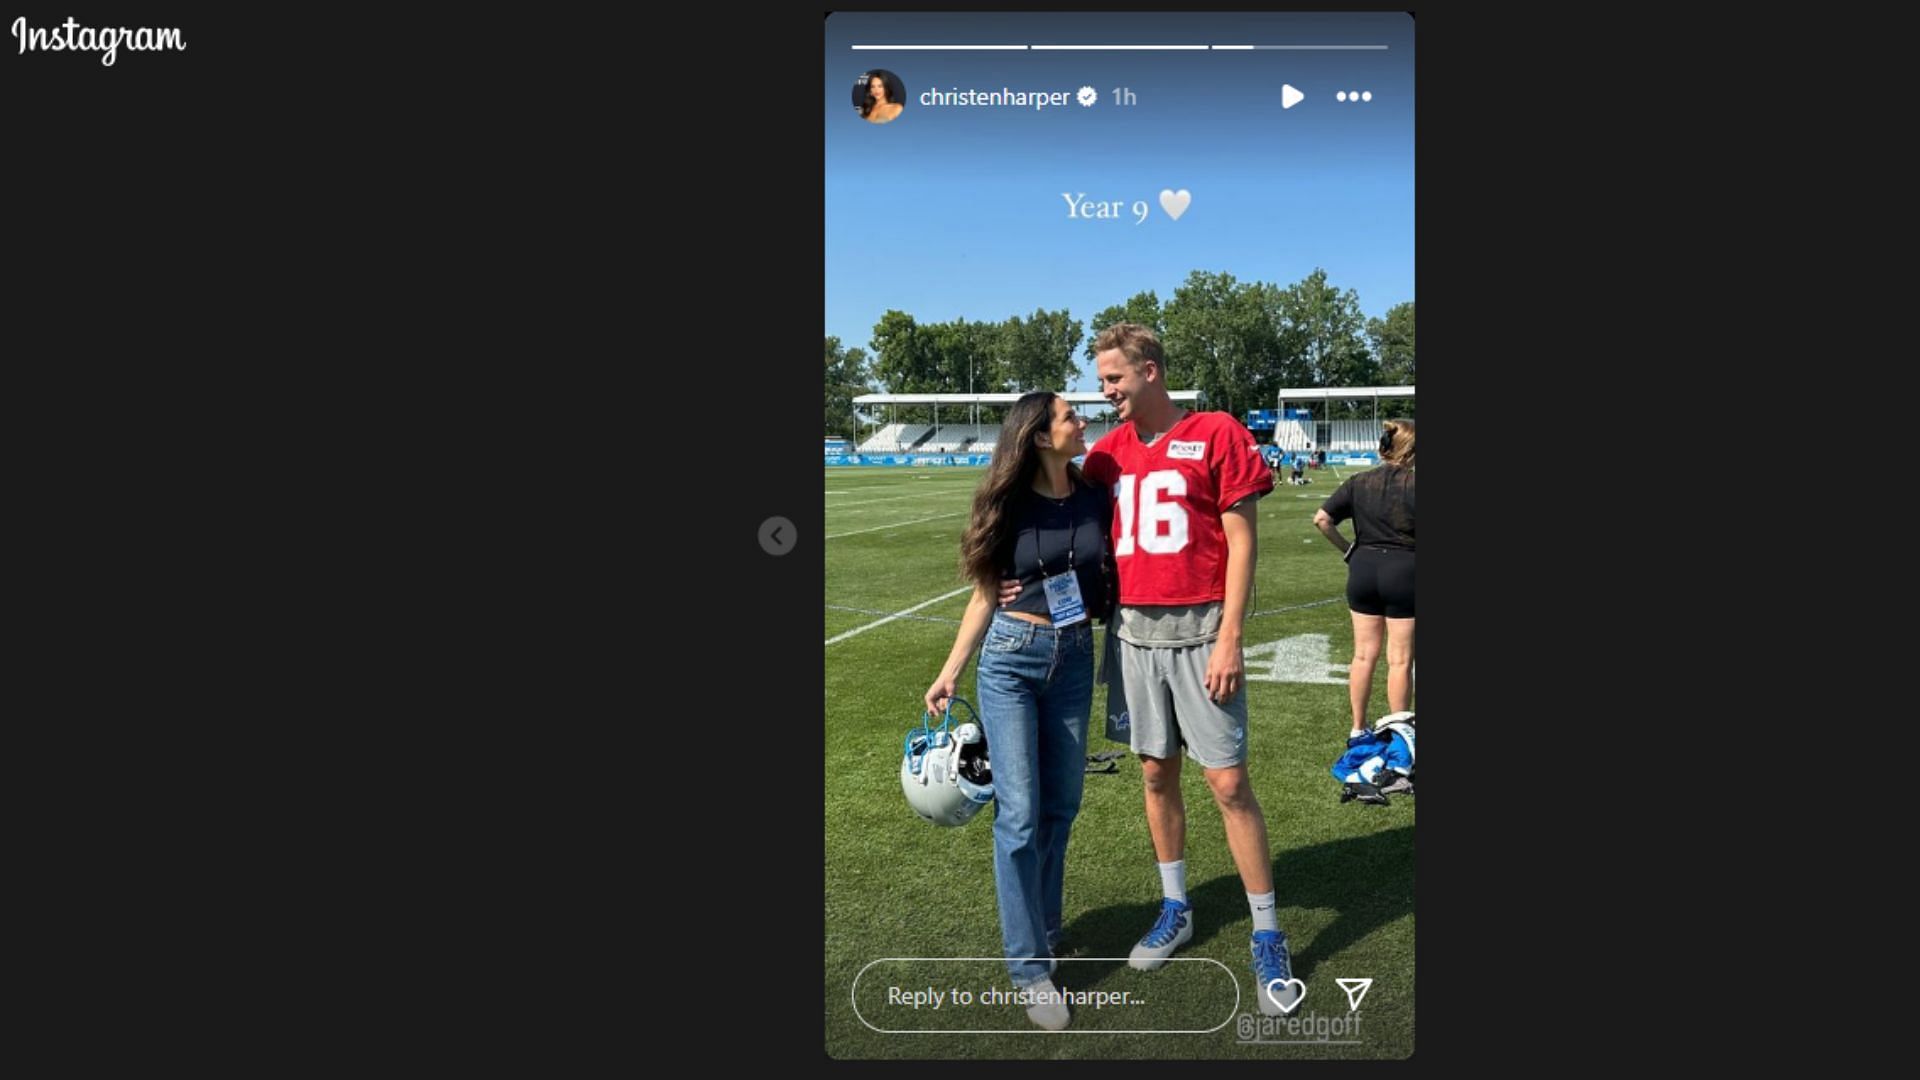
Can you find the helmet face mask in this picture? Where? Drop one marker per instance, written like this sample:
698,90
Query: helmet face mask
945,773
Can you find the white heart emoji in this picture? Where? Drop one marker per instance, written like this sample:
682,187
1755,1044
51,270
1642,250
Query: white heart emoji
1175,202
1288,986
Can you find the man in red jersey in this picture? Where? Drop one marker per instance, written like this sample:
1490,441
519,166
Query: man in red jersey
1186,487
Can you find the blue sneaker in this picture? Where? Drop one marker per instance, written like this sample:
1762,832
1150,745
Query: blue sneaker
1171,930
1273,974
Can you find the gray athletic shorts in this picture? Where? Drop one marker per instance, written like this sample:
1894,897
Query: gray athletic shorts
1165,703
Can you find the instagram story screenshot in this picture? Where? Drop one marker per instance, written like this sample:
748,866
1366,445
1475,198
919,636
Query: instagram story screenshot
1119,535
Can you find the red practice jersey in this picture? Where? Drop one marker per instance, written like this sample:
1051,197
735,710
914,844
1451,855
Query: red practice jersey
1167,502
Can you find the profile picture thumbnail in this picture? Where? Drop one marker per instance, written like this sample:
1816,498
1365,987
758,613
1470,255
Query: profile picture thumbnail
879,96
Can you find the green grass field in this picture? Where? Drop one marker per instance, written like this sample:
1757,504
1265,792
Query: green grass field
897,887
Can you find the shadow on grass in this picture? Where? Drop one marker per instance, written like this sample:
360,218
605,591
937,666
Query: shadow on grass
1367,881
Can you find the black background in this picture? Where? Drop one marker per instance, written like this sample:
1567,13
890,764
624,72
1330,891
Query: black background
412,687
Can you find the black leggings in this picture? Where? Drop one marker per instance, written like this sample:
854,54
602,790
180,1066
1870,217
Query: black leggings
1380,582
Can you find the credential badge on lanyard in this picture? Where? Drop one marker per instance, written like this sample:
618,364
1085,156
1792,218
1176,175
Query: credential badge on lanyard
1063,590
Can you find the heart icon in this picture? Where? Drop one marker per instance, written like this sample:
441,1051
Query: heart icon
1175,202
1296,989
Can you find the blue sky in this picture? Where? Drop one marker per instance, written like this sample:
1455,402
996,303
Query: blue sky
957,212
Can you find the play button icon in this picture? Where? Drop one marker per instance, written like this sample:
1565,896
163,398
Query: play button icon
1289,97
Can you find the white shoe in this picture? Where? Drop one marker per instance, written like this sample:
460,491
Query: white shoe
1050,1011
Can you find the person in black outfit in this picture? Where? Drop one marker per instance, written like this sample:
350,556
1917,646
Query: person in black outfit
1379,569
1036,520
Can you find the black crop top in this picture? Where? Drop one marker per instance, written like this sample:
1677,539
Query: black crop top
1044,531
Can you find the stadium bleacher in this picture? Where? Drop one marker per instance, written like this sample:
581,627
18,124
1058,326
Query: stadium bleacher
895,438
1347,436
956,438
952,438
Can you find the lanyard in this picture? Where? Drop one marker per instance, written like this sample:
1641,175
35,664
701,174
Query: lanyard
1073,527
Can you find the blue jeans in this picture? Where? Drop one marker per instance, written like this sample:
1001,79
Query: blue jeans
1035,688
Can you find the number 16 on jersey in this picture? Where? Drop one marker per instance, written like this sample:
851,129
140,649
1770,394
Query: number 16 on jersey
1155,505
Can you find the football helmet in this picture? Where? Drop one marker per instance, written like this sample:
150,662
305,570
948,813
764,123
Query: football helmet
944,770
1401,722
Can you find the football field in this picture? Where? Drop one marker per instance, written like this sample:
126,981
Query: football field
904,897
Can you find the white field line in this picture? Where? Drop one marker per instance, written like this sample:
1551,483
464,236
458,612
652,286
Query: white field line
899,524
1300,607
899,614
903,618
923,488
890,498
865,490
908,615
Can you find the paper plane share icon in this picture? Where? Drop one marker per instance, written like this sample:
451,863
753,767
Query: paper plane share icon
1356,989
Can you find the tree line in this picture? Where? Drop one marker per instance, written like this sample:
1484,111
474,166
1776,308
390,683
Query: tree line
1237,342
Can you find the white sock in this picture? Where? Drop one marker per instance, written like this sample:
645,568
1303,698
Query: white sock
1263,916
1173,880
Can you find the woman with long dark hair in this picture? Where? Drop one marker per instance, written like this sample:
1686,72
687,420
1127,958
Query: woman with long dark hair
881,102
1037,520
1379,570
